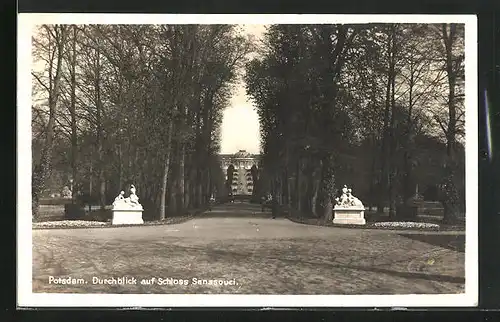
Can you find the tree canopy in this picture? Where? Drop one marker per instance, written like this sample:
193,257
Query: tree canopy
368,105
141,103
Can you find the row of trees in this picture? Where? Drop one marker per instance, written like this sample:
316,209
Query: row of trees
140,103
373,106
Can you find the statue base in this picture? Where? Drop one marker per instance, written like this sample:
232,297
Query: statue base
127,216
349,216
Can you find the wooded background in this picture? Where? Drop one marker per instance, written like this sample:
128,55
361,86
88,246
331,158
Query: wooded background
379,107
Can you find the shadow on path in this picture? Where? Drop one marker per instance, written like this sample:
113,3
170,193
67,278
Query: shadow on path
411,275
452,242
239,210
216,255
228,214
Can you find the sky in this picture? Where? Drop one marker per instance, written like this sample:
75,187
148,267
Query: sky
240,124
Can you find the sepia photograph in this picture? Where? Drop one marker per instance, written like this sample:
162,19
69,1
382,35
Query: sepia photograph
247,160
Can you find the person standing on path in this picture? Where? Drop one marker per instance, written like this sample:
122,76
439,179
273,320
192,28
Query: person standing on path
211,202
264,201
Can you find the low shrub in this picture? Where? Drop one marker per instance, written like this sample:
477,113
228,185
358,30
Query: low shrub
99,215
73,211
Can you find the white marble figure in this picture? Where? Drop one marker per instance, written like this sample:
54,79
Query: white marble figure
132,199
119,199
347,199
127,210
66,193
343,199
353,201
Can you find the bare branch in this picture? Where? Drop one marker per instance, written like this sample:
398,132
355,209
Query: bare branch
40,81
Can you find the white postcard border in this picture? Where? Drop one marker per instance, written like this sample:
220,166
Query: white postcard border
26,298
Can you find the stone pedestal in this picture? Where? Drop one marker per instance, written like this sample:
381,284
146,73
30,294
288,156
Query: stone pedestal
127,215
349,216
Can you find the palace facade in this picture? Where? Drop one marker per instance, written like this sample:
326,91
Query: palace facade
242,162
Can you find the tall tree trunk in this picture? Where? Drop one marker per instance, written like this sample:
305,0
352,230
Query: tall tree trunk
201,184
91,171
308,192
288,199
166,169
451,196
120,166
182,176
210,186
331,92
384,181
407,184
99,128
392,138
43,170
298,185
74,134
329,187
188,191
316,184
173,185
373,176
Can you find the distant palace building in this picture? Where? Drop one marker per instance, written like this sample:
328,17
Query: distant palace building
242,162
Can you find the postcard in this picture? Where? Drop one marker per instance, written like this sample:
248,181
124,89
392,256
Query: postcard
247,160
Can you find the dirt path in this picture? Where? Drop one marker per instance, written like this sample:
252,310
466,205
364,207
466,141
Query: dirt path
254,254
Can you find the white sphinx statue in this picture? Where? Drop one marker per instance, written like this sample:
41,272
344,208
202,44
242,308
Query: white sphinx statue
348,209
127,210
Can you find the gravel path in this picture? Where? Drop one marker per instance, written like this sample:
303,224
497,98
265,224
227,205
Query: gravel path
252,253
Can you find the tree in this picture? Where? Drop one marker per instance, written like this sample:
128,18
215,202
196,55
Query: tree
451,49
49,51
144,105
343,104
295,87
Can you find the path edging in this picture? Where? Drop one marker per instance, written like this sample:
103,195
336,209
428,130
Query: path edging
371,227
